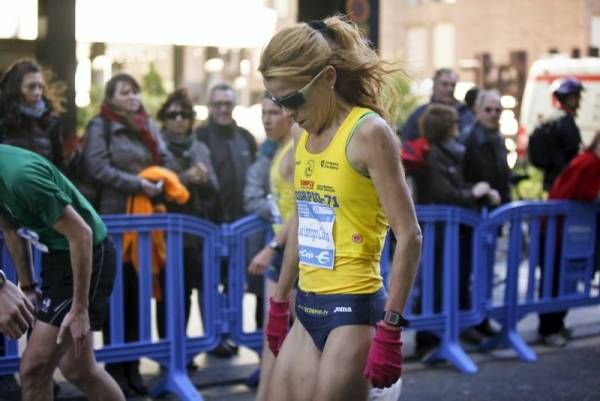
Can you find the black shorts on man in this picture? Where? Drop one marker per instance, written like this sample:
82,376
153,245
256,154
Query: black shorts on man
57,285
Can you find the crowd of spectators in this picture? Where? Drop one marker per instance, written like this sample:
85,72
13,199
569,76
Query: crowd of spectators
227,176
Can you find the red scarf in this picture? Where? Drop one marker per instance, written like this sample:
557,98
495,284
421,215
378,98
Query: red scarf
138,122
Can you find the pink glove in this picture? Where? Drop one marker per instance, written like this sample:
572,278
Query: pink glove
384,362
277,325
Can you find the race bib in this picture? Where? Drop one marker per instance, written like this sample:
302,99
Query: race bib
315,235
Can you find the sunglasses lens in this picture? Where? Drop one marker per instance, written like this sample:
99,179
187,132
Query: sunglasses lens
174,114
293,101
490,109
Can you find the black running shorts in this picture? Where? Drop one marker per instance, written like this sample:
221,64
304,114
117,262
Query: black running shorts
57,285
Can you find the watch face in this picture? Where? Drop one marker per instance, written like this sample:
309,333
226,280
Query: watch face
395,319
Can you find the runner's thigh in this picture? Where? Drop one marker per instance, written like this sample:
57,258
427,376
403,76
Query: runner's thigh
296,367
342,363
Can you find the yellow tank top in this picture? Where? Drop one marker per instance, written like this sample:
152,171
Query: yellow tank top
342,225
281,189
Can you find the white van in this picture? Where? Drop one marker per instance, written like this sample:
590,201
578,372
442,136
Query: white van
538,102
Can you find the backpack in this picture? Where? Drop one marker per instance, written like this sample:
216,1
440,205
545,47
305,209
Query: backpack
542,144
75,167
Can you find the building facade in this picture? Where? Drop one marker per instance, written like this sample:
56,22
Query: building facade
488,42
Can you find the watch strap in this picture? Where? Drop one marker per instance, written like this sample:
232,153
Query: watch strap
395,319
275,246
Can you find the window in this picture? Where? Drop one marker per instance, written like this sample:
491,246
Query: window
416,48
18,19
443,45
595,34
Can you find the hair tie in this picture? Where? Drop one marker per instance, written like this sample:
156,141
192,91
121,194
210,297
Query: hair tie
319,26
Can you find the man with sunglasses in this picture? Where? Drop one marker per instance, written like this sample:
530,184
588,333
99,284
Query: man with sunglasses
232,149
232,152
444,82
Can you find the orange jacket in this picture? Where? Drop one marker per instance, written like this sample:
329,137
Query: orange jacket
141,204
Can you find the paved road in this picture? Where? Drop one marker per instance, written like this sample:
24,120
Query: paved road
570,374
567,374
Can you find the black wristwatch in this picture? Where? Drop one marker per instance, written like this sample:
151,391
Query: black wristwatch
394,319
275,246
2,279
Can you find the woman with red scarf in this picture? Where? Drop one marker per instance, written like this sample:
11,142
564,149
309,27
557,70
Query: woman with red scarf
121,142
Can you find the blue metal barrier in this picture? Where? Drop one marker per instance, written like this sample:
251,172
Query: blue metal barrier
238,233
211,303
568,226
171,351
573,223
448,320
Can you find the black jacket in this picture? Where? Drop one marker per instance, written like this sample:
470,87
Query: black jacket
232,151
442,182
566,144
43,135
485,160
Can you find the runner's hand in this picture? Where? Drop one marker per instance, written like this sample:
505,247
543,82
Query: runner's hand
16,311
261,261
384,362
277,325
78,325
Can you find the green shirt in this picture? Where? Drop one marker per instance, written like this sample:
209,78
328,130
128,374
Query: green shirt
34,194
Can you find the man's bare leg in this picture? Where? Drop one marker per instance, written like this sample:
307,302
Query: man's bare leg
39,360
342,363
85,373
296,369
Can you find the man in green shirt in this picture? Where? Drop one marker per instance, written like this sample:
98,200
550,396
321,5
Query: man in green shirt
39,207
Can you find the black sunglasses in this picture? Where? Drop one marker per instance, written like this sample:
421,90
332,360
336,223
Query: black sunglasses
490,109
295,99
172,115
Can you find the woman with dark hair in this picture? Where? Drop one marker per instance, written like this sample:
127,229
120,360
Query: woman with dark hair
350,188
121,142
29,112
191,161
28,119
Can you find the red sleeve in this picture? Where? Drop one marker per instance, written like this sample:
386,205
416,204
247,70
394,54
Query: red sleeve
580,180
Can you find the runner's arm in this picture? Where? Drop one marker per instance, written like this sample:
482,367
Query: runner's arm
376,150
289,266
79,236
